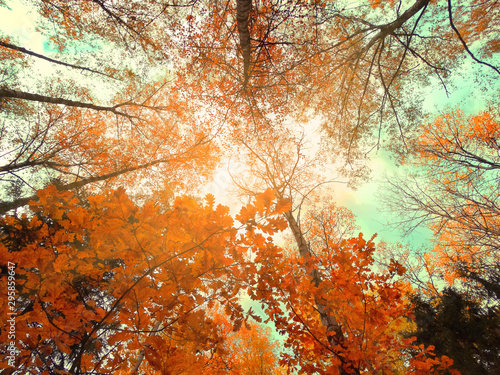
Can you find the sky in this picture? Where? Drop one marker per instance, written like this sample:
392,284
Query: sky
18,22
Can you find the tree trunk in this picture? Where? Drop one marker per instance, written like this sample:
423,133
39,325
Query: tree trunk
142,353
243,8
335,336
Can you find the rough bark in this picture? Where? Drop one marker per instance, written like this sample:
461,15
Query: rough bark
243,8
334,331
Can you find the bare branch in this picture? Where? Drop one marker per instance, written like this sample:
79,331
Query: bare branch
465,44
34,54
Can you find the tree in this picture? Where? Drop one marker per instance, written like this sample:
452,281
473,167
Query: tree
257,62
103,284
460,328
454,191
142,133
340,313
251,350
80,145
247,68
347,64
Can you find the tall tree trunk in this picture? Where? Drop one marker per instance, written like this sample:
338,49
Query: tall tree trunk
243,8
335,336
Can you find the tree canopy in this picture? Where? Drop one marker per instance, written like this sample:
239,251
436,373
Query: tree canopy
114,260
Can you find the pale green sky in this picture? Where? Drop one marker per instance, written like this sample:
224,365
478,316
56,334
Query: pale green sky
475,87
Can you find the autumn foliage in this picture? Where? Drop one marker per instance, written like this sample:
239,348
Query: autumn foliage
100,281
457,157
369,305
149,97
249,350
453,188
104,285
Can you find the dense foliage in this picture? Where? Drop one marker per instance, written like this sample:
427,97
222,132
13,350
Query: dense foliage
111,263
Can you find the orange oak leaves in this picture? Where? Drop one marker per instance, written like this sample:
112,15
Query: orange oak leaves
337,281
250,350
104,285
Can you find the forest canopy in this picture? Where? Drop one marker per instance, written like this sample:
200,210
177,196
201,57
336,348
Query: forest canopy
115,260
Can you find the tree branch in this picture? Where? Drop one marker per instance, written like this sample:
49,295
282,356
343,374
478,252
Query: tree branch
31,53
465,44
9,93
7,206
396,24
